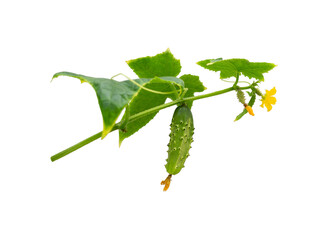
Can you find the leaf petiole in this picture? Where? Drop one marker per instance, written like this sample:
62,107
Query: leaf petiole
234,81
237,79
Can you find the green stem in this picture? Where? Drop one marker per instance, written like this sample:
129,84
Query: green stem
76,146
138,115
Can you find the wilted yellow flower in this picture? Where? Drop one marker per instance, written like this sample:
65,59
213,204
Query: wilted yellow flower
268,99
166,182
249,109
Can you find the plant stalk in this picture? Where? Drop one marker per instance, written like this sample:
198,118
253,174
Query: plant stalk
138,115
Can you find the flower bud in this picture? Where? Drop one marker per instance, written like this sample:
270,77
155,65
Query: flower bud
257,91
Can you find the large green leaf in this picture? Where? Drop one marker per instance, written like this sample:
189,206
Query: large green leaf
163,64
231,67
156,67
112,96
145,100
193,84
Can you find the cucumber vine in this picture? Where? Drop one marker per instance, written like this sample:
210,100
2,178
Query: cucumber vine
158,80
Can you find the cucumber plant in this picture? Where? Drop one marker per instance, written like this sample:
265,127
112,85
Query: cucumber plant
142,98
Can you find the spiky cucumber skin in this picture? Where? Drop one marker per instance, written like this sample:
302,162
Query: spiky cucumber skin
181,137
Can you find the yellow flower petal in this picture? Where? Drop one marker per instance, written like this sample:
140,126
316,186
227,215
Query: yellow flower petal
272,100
272,91
268,106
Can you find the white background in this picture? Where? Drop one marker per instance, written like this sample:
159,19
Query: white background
264,177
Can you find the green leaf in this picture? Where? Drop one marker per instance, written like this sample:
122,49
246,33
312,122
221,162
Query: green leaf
112,96
163,64
193,84
230,67
145,100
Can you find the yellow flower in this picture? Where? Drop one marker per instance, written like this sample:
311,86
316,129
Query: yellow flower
268,99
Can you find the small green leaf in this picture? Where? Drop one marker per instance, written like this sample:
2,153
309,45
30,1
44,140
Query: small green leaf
160,65
230,67
193,84
145,100
112,96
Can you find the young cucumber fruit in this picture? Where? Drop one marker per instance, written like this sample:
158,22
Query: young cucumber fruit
182,130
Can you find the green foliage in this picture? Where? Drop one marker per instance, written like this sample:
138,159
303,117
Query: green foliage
114,96
159,65
157,73
163,64
230,67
